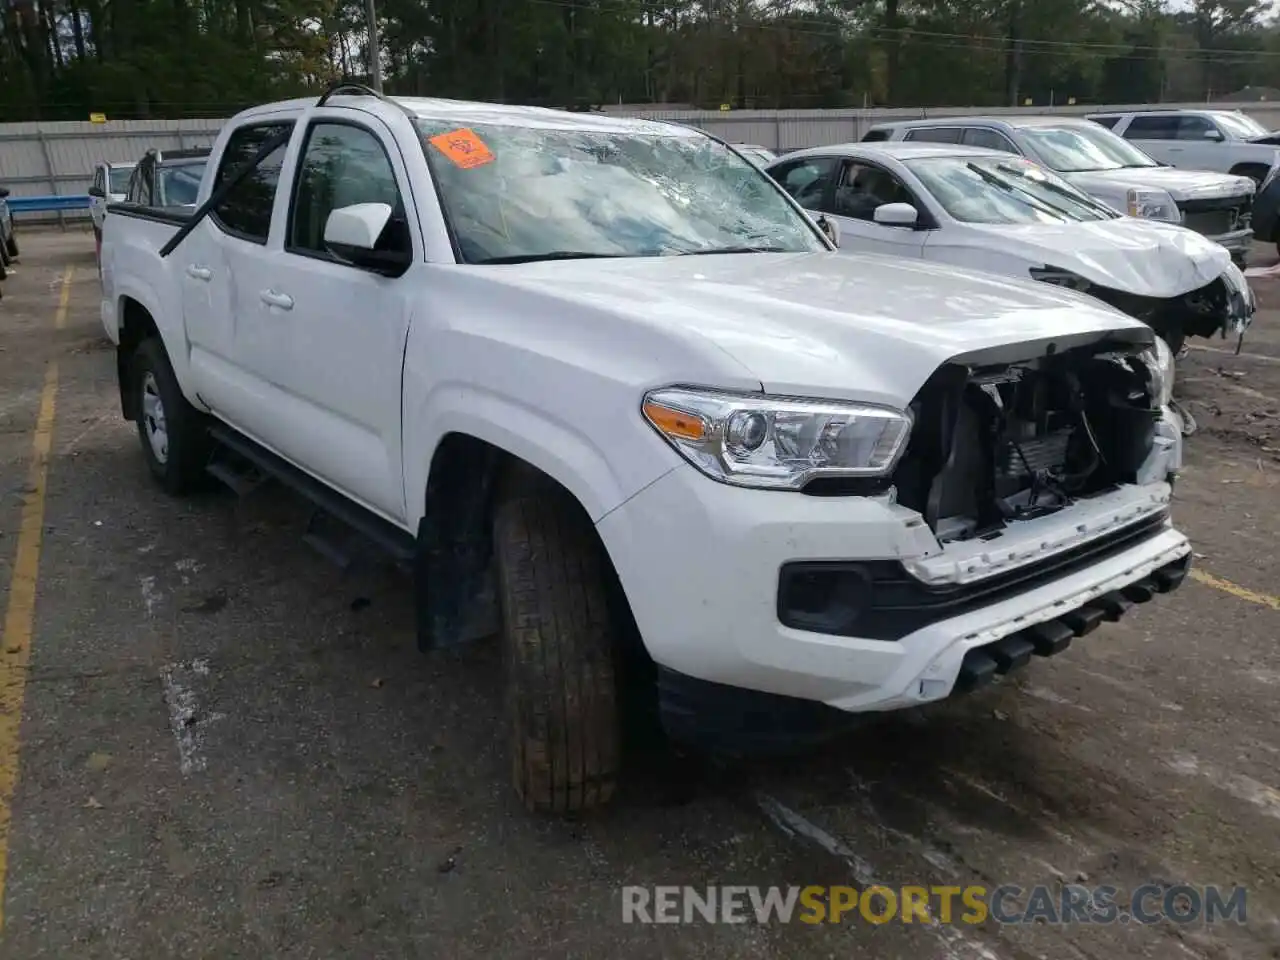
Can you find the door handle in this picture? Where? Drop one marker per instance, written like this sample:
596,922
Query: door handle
196,272
273,299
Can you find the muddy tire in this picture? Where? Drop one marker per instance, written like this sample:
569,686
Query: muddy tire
558,642
174,434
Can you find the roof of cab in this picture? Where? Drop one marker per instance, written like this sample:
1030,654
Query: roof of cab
1014,120
899,149
476,112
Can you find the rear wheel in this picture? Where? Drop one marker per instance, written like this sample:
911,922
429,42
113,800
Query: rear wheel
174,434
558,645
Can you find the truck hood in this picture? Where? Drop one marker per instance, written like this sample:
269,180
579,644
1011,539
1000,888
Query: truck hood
1143,257
824,324
1180,184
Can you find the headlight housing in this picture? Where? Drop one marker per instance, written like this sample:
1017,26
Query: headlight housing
1159,360
782,443
1153,205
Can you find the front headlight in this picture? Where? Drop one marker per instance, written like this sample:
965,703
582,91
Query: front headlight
1159,360
777,442
1153,205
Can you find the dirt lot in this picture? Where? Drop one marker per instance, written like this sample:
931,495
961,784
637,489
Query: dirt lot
230,749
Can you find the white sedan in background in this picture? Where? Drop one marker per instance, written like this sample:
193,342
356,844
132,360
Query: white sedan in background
992,211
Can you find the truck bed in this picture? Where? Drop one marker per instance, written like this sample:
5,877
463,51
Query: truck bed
175,215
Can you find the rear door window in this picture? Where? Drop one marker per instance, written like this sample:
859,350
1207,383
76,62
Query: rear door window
246,211
810,180
935,134
988,139
1152,127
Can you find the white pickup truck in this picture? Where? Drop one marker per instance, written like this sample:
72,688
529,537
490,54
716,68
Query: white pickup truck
606,373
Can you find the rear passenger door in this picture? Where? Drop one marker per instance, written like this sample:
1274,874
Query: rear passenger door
1156,134
809,180
222,266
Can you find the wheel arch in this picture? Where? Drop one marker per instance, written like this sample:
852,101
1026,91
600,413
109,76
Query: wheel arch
1252,169
468,475
136,325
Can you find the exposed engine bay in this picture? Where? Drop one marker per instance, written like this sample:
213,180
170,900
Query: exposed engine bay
998,444
1223,307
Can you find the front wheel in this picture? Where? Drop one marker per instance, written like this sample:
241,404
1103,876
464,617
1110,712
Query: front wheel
558,643
174,434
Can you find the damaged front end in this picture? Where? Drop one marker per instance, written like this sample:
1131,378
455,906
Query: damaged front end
1223,307
992,445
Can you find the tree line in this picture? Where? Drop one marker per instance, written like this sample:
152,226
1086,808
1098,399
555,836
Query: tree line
63,59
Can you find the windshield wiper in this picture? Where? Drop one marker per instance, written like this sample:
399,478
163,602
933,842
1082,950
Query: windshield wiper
1025,195
710,250
551,255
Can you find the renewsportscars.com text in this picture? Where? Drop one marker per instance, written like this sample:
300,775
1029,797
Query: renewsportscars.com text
1007,904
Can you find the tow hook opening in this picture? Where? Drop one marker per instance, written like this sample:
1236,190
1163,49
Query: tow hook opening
983,664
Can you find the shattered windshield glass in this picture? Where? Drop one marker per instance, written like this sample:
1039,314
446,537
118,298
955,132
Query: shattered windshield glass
520,193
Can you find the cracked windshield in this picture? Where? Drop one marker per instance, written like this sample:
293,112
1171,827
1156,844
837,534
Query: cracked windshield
518,194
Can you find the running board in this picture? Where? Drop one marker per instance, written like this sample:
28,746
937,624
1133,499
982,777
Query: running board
401,545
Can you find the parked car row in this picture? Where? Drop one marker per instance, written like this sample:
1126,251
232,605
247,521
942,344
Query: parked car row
8,236
169,180
613,392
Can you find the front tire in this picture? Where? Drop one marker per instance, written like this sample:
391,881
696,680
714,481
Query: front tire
558,644
174,434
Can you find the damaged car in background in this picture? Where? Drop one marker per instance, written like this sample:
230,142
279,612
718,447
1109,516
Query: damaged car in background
988,210
613,389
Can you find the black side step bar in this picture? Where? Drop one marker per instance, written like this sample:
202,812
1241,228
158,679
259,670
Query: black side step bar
982,664
400,544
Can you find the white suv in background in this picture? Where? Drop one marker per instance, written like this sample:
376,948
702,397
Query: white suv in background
1224,140
1107,167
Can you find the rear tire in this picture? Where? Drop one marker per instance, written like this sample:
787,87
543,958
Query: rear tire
12,245
558,645
174,434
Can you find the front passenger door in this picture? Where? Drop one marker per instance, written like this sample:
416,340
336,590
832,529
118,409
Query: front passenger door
860,188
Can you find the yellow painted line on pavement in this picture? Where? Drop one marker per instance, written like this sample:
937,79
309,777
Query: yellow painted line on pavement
1242,593
19,616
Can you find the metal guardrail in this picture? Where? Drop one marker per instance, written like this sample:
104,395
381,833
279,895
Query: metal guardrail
48,204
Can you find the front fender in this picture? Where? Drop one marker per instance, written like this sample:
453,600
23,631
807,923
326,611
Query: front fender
599,479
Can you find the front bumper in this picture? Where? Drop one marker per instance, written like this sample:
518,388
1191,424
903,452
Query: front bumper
1237,241
701,561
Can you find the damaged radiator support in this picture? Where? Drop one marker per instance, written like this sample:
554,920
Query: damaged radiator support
991,445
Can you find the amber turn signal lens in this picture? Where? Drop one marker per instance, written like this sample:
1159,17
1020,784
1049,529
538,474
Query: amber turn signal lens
675,423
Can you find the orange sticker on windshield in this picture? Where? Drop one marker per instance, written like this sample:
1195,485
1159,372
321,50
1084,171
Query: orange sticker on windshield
464,148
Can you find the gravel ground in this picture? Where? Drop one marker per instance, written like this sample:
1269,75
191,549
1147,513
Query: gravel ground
230,749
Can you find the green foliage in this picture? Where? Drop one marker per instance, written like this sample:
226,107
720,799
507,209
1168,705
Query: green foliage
62,59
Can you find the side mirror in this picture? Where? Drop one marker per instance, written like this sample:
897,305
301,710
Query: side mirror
830,228
4,193
352,234
1215,135
97,192
896,215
